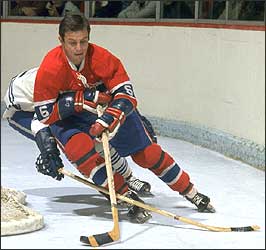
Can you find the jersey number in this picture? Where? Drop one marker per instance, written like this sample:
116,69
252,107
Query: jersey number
43,111
129,90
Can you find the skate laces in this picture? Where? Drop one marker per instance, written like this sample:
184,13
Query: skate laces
136,184
201,201
197,199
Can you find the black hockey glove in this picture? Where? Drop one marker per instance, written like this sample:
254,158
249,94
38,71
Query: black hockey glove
49,161
50,165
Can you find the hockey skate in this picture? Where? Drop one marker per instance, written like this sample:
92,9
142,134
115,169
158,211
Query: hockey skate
202,202
135,214
142,188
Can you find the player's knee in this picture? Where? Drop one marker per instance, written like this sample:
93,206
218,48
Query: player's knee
147,157
81,152
152,157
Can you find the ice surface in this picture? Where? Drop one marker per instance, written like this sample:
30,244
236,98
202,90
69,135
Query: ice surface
71,209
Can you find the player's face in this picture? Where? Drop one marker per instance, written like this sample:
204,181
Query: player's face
75,45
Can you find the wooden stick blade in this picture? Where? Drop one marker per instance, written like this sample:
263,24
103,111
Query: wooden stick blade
245,229
104,238
97,239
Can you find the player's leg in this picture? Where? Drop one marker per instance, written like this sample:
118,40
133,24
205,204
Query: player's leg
79,148
163,165
120,165
21,122
132,139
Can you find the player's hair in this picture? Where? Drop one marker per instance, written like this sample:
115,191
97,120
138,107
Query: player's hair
73,22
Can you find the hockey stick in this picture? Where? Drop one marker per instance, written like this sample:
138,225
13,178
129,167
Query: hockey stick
114,234
159,211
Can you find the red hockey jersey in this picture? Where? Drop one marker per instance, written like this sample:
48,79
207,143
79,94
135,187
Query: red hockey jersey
57,75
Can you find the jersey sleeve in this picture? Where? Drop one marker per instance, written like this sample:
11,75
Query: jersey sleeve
115,78
111,70
46,91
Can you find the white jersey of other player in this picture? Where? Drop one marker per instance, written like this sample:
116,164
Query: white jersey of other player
19,95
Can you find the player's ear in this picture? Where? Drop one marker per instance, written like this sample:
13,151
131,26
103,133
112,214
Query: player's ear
60,39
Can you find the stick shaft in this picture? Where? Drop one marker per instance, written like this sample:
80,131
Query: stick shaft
110,178
111,185
160,211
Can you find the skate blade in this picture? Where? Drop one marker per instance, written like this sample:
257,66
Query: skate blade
210,209
141,220
146,194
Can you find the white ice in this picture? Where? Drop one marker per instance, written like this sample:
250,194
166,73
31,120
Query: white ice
71,209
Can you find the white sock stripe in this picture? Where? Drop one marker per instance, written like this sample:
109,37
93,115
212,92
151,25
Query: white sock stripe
176,178
115,158
116,161
127,173
20,127
192,193
115,155
104,183
166,170
122,169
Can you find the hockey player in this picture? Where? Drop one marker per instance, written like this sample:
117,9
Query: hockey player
20,115
78,65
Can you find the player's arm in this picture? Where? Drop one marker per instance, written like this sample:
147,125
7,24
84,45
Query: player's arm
70,103
123,103
46,91
49,161
51,105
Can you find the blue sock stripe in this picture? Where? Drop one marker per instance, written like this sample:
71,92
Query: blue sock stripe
170,174
100,176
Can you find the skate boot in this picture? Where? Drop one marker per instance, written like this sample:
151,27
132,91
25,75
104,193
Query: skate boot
135,214
140,187
201,201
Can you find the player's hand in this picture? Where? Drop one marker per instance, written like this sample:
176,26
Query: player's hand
111,120
49,165
97,96
89,99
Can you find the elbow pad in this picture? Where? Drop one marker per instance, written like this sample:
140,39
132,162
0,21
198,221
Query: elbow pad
124,99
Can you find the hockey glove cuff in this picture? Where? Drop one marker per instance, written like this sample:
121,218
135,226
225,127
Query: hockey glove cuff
111,120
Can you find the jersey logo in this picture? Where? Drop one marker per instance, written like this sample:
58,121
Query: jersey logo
83,79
